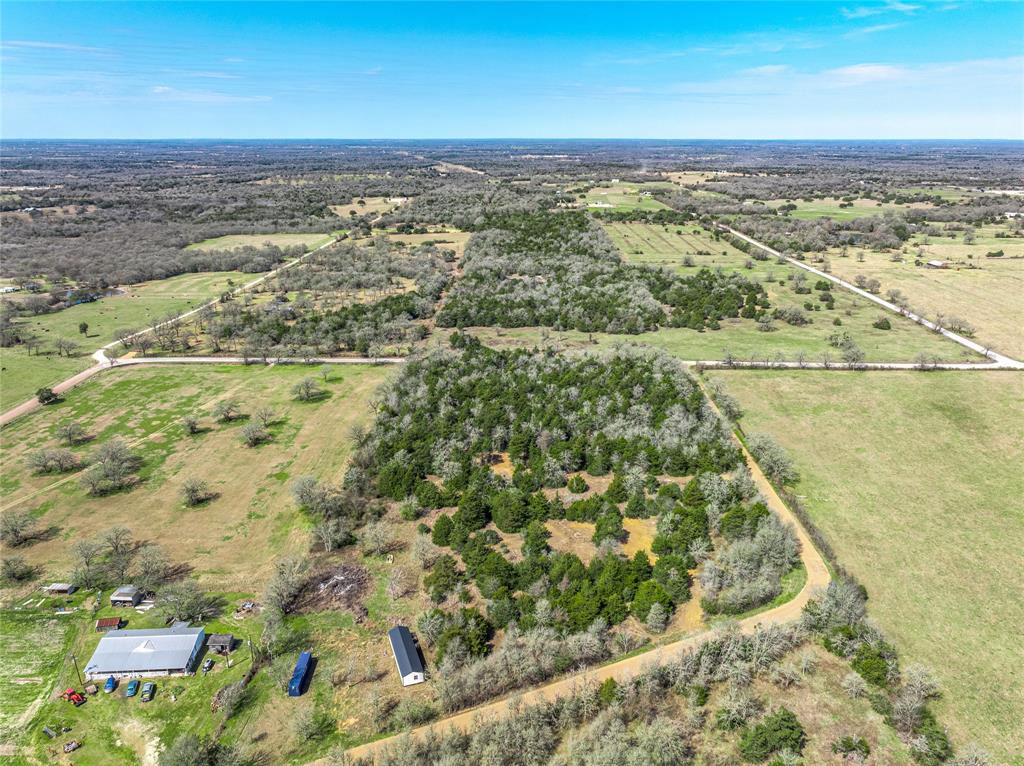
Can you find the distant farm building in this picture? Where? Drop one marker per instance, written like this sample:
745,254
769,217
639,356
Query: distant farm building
407,656
108,623
126,595
60,589
133,653
937,264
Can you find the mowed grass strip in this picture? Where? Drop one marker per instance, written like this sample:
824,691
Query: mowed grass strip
231,540
915,479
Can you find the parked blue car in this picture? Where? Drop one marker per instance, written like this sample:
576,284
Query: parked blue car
110,685
133,688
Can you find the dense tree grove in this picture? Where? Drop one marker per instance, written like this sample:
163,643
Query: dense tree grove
560,270
630,408
635,415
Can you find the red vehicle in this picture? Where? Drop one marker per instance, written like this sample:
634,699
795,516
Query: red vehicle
73,697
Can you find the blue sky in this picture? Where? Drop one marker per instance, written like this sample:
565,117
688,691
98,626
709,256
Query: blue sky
898,69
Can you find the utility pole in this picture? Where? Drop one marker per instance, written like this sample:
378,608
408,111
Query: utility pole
79,672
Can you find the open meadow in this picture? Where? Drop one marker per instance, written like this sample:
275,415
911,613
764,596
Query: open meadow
626,196
309,240
229,541
133,306
914,479
365,205
838,210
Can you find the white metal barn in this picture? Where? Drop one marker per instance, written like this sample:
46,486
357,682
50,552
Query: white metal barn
135,653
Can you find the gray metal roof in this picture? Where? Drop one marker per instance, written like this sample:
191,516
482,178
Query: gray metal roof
406,655
125,591
127,651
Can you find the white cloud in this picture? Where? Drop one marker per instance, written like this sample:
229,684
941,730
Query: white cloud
875,29
168,93
47,45
862,74
768,70
864,11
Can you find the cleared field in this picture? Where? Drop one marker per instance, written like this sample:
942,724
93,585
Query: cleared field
230,540
625,197
837,210
446,240
369,205
136,306
308,240
915,479
987,292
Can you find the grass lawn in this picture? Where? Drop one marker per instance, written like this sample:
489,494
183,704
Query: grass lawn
915,480
987,292
231,540
139,306
308,240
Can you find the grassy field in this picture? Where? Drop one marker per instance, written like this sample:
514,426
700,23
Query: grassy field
625,197
308,240
915,480
230,540
137,306
829,207
987,292
34,645
656,246
370,205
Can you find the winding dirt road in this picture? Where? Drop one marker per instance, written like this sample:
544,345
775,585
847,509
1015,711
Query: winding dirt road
818,578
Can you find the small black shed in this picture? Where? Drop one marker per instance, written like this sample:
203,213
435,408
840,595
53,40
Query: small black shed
407,656
222,643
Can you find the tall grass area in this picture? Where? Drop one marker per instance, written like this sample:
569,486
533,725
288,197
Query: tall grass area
915,480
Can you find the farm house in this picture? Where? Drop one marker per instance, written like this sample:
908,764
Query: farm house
407,656
135,653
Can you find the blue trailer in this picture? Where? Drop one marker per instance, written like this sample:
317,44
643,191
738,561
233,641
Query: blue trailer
300,675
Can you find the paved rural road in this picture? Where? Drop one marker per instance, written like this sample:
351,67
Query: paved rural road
818,578
999,360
